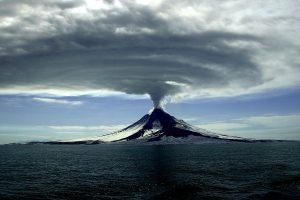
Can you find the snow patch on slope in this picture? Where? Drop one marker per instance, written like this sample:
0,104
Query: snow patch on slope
121,134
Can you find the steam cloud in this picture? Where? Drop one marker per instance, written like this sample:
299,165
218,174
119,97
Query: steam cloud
178,49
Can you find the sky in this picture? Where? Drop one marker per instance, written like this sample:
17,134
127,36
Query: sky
77,69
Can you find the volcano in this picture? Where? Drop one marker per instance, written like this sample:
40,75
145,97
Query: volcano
159,126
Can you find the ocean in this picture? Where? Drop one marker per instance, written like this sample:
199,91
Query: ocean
204,171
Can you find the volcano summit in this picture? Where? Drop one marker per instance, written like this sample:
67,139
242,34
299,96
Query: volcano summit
161,127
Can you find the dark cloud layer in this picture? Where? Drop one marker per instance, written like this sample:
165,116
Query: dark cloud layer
133,48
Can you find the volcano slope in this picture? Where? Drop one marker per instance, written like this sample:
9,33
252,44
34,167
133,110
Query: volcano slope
161,127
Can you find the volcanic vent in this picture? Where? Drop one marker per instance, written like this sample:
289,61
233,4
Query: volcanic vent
161,126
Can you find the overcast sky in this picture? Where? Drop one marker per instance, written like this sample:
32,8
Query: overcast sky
78,68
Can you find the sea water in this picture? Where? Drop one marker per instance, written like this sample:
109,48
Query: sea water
204,171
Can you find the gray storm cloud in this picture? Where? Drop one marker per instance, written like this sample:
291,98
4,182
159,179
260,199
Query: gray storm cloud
157,49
